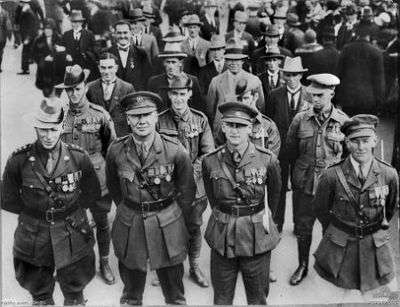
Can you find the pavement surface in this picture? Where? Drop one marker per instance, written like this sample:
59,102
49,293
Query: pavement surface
19,96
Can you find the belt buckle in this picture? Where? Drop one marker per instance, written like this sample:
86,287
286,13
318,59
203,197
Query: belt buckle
235,211
359,232
49,216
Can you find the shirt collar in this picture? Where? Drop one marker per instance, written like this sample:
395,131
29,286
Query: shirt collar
112,82
82,108
185,116
366,167
147,144
242,149
295,91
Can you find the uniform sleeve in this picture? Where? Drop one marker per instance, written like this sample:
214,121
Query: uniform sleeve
112,179
212,98
274,139
10,188
291,139
274,184
261,99
323,199
206,140
90,184
392,201
108,133
207,183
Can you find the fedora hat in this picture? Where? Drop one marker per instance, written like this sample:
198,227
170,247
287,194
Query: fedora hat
148,12
76,15
173,37
172,50
193,20
73,76
293,65
272,53
48,115
241,16
292,19
234,50
136,15
217,42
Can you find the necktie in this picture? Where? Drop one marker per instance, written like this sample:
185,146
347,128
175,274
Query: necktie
136,41
292,101
49,163
142,152
125,49
271,81
361,175
236,157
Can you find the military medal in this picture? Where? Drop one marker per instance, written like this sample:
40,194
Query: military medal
157,180
66,158
259,180
168,178
32,159
65,188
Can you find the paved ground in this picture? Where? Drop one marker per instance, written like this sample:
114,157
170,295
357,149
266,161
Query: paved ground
18,96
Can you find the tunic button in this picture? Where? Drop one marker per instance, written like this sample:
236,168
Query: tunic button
238,199
31,186
236,171
361,222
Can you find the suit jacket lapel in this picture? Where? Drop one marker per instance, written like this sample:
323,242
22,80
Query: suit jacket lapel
115,95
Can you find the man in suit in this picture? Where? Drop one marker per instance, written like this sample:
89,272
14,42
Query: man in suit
5,30
133,64
141,39
271,77
109,90
283,104
271,38
346,33
150,28
360,69
217,64
79,42
195,45
172,58
245,38
223,85
210,22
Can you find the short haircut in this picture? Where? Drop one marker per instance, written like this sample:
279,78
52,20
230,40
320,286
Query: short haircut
106,56
122,22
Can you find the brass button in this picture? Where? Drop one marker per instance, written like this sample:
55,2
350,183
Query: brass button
238,199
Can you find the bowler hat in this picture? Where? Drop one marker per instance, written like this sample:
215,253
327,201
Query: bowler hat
141,102
76,15
293,65
48,115
237,112
217,42
73,76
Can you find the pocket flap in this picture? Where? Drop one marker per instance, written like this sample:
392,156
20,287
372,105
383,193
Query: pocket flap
169,215
305,134
381,237
337,236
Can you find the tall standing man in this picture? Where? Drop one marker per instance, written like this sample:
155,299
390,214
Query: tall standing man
237,178
49,184
313,144
109,90
354,201
150,179
90,126
191,128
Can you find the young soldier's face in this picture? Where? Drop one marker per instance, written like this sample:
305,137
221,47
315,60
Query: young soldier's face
143,125
236,134
321,100
48,137
179,99
76,93
362,148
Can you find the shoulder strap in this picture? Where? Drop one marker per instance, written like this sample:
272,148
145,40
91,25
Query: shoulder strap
343,182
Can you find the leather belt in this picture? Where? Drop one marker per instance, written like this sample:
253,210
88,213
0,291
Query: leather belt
50,215
241,210
149,206
356,231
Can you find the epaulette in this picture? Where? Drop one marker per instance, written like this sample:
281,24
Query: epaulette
22,149
337,163
384,162
170,139
163,112
120,139
263,149
214,151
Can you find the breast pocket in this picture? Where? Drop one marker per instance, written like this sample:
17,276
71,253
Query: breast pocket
219,182
305,140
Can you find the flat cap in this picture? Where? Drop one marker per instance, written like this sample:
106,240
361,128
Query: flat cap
360,125
237,112
321,82
141,102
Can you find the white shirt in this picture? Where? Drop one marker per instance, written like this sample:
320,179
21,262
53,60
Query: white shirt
137,37
274,77
365,168
124,56
108,89
296,96
193,43
77,34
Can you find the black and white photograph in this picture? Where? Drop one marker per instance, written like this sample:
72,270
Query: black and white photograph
199,152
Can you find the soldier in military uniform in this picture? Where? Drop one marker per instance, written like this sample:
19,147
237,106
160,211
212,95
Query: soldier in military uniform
354,201
242,183
150,178
91,127
314,143
265,133
191,128
49,184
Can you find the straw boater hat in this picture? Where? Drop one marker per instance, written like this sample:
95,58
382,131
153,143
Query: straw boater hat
193,20
217,42
48,115
293,65
76,15
234,50
148,12
73,76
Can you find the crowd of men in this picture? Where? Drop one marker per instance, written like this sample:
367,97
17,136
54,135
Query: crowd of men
234,101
